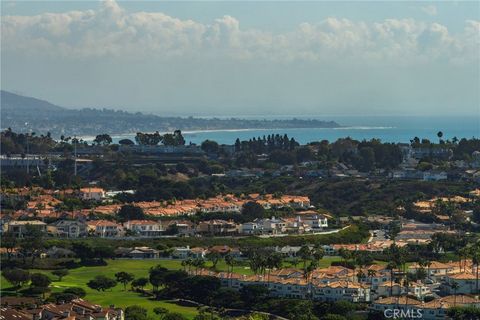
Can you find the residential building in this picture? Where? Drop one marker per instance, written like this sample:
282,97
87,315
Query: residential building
137,253
70,228
144,228
315,221
217,227
91,193
104,228
18,228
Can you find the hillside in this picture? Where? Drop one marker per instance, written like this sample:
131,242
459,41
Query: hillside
44,117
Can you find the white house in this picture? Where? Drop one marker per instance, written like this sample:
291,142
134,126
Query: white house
104,228
315,221
249,228
96,194
144,228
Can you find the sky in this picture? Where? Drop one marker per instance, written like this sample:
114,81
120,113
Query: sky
246,58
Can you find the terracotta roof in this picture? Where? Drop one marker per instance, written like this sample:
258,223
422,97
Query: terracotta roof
398,300
449,301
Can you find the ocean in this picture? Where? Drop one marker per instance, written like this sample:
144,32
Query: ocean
388,129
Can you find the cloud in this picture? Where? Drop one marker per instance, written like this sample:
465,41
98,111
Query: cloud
431,10
112,32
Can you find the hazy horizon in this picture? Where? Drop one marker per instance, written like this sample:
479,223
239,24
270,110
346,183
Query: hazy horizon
319,59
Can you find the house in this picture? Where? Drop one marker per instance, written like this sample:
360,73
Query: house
217,227
103,228
80,309
137,253
144,228
70,228
271,226
9,313
407,305
437,309
182,228
57,253
466,282
291,283
314,221
18,228
341,291
187,252
91,193
436,270
249,228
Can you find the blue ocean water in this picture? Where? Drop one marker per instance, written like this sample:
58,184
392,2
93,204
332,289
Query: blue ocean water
386,128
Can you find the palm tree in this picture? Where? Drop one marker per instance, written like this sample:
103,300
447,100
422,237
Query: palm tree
439,135
475,254
428,263
307,272
391,266
406,283
230,261
371,273
454,285
305,254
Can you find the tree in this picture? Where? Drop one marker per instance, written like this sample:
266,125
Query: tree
124,278
32,242
101,283
252,210
253,294
210,146
78,292
148,139
17,277
135,313
60,273
40,282
130,212
174,316
9,242
160,311
305,255
103,139
454,285
139,283
214,257
126,142
157,277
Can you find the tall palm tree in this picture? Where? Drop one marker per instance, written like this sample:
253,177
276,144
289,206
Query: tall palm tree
454,285
475,254
230,262
428,263
406,283
391,266
305,254
307,272
371,273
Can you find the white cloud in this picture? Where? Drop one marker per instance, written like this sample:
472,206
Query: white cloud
111,31
431,10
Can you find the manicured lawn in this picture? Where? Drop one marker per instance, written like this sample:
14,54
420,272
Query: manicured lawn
117,296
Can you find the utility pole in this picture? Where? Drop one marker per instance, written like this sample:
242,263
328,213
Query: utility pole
75,155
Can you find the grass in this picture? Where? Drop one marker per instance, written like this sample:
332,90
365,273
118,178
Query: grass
117,296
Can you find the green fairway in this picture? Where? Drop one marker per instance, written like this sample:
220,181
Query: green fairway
117,296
